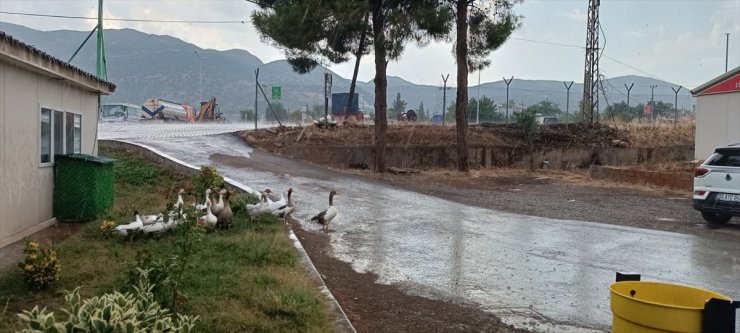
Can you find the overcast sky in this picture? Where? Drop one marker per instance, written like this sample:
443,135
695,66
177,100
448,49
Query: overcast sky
678,41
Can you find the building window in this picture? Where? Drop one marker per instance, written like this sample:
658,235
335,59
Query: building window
58,133
45,136
74,133
78,134
61,133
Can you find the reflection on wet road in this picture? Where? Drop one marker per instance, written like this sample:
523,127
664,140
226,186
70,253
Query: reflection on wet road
545,274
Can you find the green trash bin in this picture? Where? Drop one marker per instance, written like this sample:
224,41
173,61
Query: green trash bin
83,187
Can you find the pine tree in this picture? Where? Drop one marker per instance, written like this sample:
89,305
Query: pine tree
477,35
320,31
398,107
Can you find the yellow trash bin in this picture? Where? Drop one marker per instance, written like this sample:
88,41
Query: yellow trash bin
652,307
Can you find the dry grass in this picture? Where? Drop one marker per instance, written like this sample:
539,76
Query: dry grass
659,133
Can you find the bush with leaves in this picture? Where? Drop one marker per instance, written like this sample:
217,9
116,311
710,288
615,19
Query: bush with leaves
240,201
159,275
136,311
40,267
208,177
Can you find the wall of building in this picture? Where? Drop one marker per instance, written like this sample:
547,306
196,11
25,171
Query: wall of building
717,122
27,187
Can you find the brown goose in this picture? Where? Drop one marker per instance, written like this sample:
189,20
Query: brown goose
326,216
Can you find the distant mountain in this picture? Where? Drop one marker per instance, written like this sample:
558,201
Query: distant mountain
153,66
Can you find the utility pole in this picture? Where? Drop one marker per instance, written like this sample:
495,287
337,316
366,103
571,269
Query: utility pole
327,92
591,76
675,104
628,92
444,97
508,82
652,94
727,49
567,98
477,104
256,86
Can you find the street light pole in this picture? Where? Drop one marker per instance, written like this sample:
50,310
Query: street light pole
477,104
567,99
444,97
652,95
727,49
628,93
675,105
507,97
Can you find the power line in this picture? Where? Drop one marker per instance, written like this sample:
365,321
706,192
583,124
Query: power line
583,48
545,42
122,19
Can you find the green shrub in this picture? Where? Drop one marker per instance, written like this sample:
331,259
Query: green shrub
208,177
160,271
136,311
40,266
240,201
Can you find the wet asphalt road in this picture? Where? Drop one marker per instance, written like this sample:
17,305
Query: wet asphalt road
545,274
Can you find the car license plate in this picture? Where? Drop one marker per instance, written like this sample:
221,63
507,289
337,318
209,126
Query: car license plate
728,197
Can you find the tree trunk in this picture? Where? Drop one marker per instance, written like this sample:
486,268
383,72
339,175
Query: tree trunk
461,109
360,50
381,104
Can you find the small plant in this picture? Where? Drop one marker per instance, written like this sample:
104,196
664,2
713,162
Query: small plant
135,311
107,228
527,122
40,266
159,275
208,177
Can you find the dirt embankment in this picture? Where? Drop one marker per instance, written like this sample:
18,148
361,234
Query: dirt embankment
560,135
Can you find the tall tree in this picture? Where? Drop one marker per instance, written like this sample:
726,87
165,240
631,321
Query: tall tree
421,113
481,27
545,108
398,107
320,31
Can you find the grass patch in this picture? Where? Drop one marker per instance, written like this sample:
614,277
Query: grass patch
246,279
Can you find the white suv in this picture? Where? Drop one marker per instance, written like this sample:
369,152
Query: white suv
717,185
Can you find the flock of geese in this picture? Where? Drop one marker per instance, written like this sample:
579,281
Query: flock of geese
218,213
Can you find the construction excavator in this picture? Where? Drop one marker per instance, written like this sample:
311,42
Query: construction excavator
208,111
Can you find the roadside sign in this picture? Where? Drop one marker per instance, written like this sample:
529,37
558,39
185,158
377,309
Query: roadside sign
327,85
276,93
647,109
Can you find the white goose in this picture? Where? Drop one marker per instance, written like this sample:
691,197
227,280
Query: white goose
219,205
159,227
327,215
285,211
274,201
205,203
180,202
259,208
209,220
131,227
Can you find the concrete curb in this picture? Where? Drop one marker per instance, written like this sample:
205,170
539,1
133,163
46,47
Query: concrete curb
341,323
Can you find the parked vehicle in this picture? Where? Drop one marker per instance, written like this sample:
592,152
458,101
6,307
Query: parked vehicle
165,110
119,112
409,115
437,119
717,185
546,120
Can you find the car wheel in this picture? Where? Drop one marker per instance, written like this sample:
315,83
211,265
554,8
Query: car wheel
715,218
